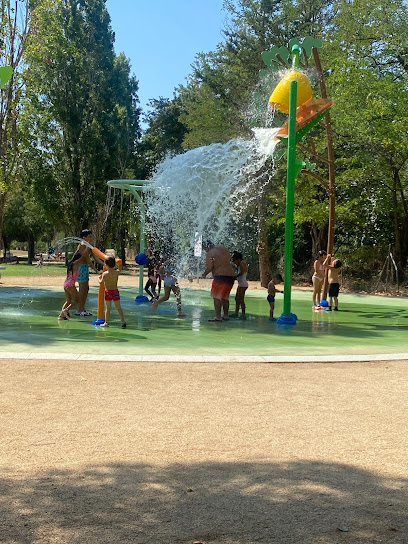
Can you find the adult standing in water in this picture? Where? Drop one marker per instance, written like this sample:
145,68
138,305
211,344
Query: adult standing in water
218,261
83,276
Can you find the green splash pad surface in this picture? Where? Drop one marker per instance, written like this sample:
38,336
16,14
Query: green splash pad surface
364,325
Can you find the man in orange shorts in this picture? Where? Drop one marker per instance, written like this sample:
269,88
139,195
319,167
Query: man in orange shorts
218,261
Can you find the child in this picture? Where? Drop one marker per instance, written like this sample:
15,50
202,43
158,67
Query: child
83,277
154,279
334,266
71,293
170,283
242,270
110,279
318,278
40,261
276,280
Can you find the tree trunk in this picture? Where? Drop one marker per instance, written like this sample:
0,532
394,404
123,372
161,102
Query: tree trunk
122,252
404,225
31,248
2,203
397,250
319,238
330,156
6,246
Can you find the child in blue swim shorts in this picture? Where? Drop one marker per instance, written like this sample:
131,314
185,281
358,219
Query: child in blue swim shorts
276,280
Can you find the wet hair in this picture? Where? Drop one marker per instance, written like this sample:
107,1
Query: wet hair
278,277
322,253
110,262
85,233
70,264
337,263
236,256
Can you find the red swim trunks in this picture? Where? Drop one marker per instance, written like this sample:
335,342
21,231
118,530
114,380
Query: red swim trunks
221,287
112,294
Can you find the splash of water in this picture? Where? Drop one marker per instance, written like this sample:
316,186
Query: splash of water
210,190
71,240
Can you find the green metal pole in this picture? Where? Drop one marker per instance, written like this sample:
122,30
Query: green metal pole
290,199
142,236
141,247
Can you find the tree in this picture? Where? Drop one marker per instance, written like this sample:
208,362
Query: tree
90,98
164,135
369,48
25,220
14,31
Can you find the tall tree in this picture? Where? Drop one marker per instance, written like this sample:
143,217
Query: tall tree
370,53
90,97
14,30
164,135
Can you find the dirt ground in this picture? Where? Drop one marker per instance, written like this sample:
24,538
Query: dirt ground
148,453
145,453
125,280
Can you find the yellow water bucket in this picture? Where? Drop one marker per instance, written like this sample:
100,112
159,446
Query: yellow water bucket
279,99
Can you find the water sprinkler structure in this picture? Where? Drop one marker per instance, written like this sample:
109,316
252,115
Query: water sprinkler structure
136,187
293,95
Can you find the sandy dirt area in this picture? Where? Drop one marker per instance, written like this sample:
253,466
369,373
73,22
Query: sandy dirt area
125,280
145,453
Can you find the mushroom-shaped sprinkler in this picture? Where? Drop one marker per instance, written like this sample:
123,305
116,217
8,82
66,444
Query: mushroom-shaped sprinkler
293,95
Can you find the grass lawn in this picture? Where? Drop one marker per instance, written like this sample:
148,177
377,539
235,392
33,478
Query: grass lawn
24,269
48,269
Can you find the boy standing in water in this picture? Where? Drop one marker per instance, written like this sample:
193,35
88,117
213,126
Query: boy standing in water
276,280
334,266
110,279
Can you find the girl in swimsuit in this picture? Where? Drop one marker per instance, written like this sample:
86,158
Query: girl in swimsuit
170,284
242,270
318,277
71,293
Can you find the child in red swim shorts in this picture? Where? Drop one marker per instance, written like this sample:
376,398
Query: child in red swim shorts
110,279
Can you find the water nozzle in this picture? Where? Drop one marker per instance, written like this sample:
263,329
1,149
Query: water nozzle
296,54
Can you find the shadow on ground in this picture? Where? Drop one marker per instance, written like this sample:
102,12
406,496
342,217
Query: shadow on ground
228,503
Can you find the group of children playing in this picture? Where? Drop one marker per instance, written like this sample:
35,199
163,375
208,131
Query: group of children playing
159,270
325,262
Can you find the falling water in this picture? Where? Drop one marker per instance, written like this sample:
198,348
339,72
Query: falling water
71,240
212,191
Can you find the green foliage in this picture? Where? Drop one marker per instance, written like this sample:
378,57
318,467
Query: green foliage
88,94
163,136
79,122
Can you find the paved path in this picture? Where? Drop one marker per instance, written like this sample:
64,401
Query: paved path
148,453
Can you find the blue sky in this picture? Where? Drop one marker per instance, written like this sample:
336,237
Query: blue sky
162,37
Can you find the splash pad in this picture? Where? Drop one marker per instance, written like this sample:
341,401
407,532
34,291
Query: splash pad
365,328
200,192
